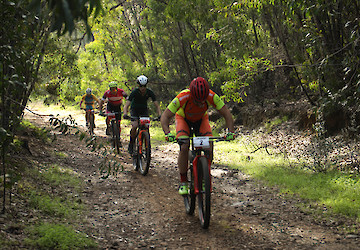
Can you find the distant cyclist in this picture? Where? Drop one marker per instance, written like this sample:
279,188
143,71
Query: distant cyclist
89,100
115,97
190,110
138,101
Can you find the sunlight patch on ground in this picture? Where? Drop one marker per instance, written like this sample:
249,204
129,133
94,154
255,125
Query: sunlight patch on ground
218,172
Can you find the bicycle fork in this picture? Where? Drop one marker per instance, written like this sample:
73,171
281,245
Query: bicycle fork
196,174
140,142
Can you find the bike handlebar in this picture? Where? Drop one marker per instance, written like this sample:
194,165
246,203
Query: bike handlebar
211,138
92,110
110,114
134,118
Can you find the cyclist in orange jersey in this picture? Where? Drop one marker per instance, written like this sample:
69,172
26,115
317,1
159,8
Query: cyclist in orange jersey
190,110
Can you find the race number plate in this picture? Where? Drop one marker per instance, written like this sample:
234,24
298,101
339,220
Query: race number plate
201,142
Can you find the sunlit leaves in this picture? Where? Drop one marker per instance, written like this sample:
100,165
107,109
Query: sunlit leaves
240,74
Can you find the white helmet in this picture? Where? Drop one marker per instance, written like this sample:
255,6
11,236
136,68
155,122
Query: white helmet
142,80
88,91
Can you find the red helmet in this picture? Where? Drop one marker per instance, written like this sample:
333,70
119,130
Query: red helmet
199,89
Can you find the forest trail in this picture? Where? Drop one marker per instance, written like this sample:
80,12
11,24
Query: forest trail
131,211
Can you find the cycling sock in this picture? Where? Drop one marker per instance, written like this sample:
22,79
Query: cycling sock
183,177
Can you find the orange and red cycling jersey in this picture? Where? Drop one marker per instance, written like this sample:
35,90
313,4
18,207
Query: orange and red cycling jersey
190,114
184,105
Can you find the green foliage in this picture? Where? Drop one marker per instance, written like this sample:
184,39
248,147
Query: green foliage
240,74
59,76
58,236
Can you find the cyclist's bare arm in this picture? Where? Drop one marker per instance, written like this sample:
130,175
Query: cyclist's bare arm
126,107
225,112
101,104
165,120
156,103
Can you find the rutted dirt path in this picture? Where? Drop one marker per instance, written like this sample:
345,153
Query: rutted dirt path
131,211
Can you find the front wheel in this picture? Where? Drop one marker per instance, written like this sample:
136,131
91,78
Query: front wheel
144,152
116,136
189,199
204,195
91,123
134,155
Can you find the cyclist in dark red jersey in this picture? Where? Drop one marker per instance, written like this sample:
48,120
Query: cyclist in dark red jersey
115,97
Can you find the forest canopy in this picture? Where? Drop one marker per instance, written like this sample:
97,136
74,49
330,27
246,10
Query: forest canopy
249,51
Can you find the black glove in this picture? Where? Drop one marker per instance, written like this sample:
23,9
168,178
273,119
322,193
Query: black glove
126,117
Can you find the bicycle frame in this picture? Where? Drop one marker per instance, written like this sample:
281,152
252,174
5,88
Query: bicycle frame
142,154
90,118
195,171
112,115
89,113
144,124
199,146
200,183
115,122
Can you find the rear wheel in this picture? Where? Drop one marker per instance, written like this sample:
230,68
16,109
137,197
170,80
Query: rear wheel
145,155
204,192
189,199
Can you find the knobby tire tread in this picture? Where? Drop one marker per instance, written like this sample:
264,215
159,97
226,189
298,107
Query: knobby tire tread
145,157
204,196
190,199
92,122
116,136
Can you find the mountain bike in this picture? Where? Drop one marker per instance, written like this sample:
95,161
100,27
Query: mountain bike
200,186
91,123
142,146
115,129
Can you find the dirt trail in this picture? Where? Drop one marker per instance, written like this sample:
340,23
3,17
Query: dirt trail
135,211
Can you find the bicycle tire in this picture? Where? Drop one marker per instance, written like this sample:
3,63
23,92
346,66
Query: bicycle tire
204,196
189,199
91,124
116,136
135,157
145,156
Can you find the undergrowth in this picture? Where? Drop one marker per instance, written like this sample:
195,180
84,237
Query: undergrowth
338,191
47,207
